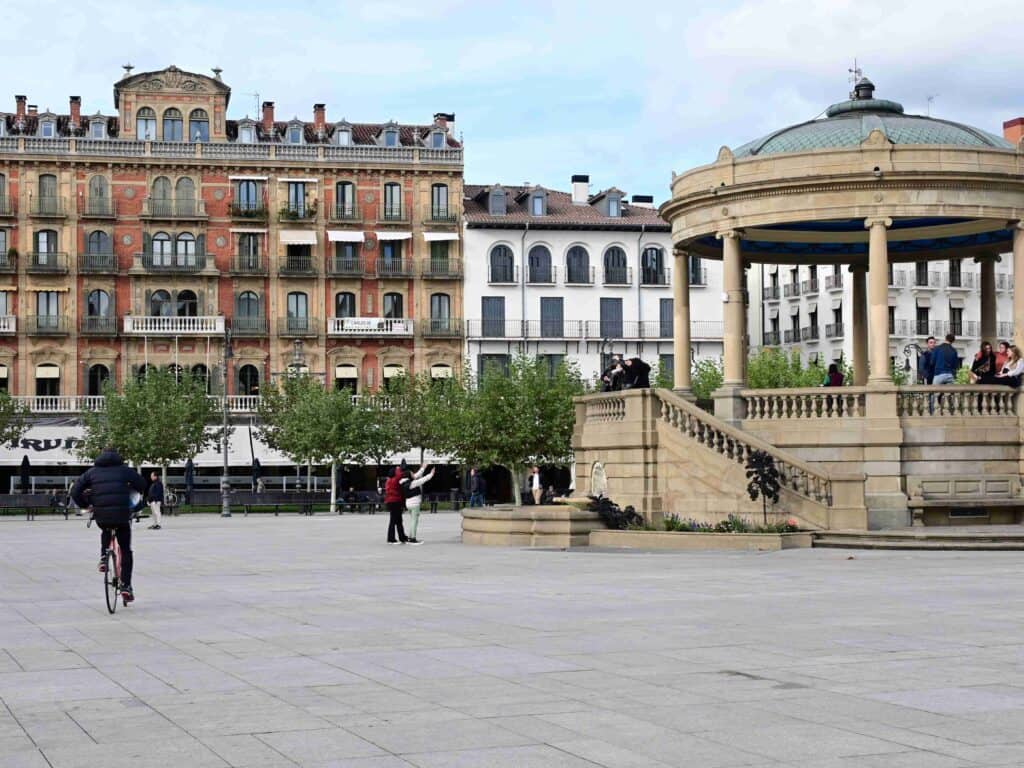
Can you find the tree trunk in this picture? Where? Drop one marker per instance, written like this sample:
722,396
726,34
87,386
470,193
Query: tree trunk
334,489
309,477
422,451
517,496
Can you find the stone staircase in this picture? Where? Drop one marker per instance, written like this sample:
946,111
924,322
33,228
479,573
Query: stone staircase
991,538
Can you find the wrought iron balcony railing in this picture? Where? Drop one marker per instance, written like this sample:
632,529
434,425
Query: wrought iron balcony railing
393,213
47,207
443,215
173,208
441,268
770,293
655,277
97,263
172,262
809,333
250,210
834,331
541,275
248,264
442,327
503,274
298,327
8,206
834,282
300,212
94,325
790,290
98,208
809,287
343,212
244,325
346,266
49,262
771,339
618,275
698,277
579,275
394,268
297,265
47,325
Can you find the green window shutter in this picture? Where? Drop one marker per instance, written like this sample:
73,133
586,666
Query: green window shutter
201,245
201,303
148,309
147,243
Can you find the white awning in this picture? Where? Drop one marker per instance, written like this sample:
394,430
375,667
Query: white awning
390,371
341,236
345,372
794,310
47,371
44,289
248,231
3,371
812,306
924,301
892,301
394,235
773,312
433,237
298,180
247,178
440,371
298,237
956,303
837,303
773,268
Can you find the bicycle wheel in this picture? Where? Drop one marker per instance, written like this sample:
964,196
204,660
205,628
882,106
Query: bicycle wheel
110,581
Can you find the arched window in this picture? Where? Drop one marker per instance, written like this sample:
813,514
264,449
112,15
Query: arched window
185,250
391,138
200,373
98,376
577,265
198,126
3,193
346,377
145,124
47,380
247,304
162,248
141,372
98,242
161,203
392,201
173,125
345,304
185,197
188,304
439,201
652,266
345,200
393,305
175,370
160,304
97,304
502,265
615,270
248,380
540,265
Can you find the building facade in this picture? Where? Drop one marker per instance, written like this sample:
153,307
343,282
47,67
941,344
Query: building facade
576,276
139,238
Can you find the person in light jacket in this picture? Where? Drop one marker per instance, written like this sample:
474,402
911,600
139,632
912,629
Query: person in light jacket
155,497
414,497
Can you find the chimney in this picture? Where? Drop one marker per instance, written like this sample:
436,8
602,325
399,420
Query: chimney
33,110
580,189
1013,130
643,201
268,116
446,120
20,102
76,111
319,117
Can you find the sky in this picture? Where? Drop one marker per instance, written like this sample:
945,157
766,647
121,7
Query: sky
626,91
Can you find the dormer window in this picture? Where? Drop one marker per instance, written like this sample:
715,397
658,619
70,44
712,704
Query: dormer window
391,138
247,134
294,134
343,137
3,126
614,207
98,129
497,203
536,205
437,140
47,129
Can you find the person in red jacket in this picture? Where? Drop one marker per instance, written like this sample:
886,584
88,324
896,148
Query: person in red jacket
394,500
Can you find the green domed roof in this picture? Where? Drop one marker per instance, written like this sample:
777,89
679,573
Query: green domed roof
849,123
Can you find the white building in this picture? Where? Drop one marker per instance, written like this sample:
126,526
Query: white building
576,276
810,309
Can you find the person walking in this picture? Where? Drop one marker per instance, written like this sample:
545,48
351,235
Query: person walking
946,362
25,474
106,488
190,480
926,362
155,497
394,500
257,474
637,374
476,488
414,497
536,487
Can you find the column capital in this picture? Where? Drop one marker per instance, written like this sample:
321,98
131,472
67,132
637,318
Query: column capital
855,268
988,258
680,254
871,221
729,234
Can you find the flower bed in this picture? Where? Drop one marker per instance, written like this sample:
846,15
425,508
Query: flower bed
686,540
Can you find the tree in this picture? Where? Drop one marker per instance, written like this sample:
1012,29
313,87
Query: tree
774,369
13,418
160,419
420,408
763,479
512,420
380,428
707,377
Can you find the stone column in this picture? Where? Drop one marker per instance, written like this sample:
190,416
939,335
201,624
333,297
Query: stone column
681,324
1018,284
878,298
989,329
734,313
860,324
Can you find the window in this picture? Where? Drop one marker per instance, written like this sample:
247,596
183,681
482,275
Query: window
145,124
391,372
502,265
921,317
892,320
160,304
247,312
98,129
921,273
248,380
161,245
614,207
345,304
551,364
248,252
393,306
345,199
185,197
47,201
185,250
611,318
98,376
497,203
47,129
198,126
46,245
346,258
247,196
47,310
956,321
577,262
47,380
537,205
615,269
652,265
3,245
440,372
390,258
97,304
346,377
201,374
955,274
439,257
188,304
439,201
666,318
493,313
437,140
540,265
697,271
391,138
837,316
552,317
161,188
174,125
440,312
392,201
298,258
295,134
98,242
247,135
298,312
892,274
344,137
488,365
297,198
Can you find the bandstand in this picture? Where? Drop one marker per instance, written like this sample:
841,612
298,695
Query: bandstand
865,187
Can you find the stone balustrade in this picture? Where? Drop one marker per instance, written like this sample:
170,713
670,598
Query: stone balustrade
610,408
949,400
808,403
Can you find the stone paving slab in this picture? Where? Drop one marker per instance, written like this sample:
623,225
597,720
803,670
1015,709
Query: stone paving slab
266,642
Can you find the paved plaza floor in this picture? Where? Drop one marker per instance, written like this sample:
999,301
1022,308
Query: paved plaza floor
290,641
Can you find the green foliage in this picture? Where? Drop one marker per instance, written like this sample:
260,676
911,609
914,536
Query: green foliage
160,419
963,375
421,408
900,377
774,369
763,479
732,524
13,418
662,377
706,378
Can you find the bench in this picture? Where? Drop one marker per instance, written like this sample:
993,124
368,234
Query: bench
277,499
33,503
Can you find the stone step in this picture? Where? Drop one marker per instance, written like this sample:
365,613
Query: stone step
961,541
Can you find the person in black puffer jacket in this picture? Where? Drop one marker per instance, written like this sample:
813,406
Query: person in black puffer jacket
106,487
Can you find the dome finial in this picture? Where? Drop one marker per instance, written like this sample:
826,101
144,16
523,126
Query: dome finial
864,89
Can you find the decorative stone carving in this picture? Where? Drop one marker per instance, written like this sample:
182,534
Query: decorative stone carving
598,480
368,197
129,193
221,241
126,239
172,79
218,194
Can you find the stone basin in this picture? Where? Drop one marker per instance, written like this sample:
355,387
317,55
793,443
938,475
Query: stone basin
544,525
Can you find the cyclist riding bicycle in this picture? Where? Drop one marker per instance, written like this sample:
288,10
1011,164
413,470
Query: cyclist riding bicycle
107,488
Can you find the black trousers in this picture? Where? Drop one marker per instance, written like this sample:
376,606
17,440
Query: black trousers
124,541
395,509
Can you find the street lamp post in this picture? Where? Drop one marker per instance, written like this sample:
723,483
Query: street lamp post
225,485
911,347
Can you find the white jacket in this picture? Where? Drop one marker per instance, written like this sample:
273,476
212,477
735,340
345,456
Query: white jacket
418,481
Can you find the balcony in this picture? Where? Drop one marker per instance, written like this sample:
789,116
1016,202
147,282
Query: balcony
698,277
60,403
1004,282
897,278
498,274
151,325
248,210
555,329
298,327
495,328
98,326
442,328
182,209
968,329
649,329
47,208
8,324
927,281
442,215
170,264
97,263
394,269
791,335
370,326
791,290
343,212
579,276
770,293
655,278
927,328
297,265
248,264
441,268
248,327
809,287
8,206
540,275
834,282
47,263
809,333
8,264
834,331
899,327
618,276
98,208
771,339
346,266
47,325
963,281
297,212
1005,329
392,214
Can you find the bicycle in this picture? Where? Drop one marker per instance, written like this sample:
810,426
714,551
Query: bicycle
111,572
